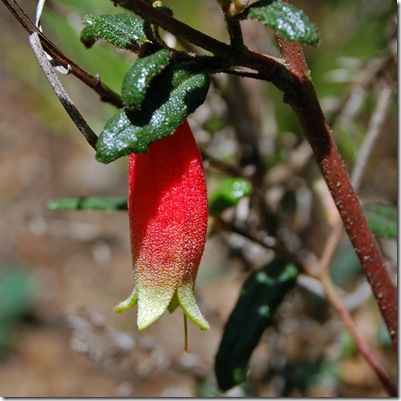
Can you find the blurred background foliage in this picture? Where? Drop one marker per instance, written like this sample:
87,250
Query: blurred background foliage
58,334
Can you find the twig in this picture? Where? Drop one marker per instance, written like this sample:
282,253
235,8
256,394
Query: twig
335,301
372,135
106,94
60,92
359,87
243,74
220,165
170,24
271,243
233,25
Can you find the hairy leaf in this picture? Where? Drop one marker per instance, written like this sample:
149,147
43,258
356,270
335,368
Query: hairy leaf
285,19
138,78
261,294
228,194
88,37
382,219
122,30
171,97
89,203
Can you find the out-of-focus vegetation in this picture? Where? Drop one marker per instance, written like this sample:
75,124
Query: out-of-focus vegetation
76,346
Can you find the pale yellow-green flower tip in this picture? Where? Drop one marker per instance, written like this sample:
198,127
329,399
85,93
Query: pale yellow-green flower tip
152,303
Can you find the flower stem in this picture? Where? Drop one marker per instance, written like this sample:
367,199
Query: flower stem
185,334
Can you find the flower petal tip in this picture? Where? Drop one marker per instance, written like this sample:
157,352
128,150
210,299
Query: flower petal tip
186,298
128,303
152,303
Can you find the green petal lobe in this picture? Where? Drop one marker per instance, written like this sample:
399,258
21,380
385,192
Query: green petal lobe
186,298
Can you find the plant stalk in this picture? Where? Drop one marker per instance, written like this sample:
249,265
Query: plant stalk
303,100
344,315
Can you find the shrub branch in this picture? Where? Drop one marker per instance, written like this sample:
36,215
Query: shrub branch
306,105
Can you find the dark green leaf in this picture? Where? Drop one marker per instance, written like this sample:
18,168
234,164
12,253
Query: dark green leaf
88,38
261,294
122,30
16,291
285,19
383,336
228,194
17,294
171,97
136,81
89,203
382,219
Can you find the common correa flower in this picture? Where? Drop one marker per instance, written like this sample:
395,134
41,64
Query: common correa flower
167,207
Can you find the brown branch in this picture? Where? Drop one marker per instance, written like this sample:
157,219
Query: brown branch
271,68
345,316
106,94
233,25
170,24
271,243
374,129
303,100
60,92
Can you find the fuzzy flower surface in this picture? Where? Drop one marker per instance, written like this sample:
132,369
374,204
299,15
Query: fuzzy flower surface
167,207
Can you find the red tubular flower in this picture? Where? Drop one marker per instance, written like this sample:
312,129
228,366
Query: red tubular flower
167,208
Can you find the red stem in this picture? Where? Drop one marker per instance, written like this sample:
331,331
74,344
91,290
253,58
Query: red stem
345,316
304,101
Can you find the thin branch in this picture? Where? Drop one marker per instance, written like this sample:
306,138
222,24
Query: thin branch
106,94
244,74
360,86
374,129
268,242
335,301
233,25
170,24
60,92
220,165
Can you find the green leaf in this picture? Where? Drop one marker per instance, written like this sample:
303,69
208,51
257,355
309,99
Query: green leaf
122,30
382,219
260,296
383,336
228,194
17,294
88,37
138,78
89,203
171,97
285,19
